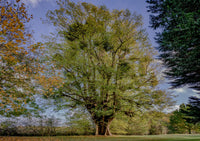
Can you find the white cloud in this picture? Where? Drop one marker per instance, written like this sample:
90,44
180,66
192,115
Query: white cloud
33,3
179,90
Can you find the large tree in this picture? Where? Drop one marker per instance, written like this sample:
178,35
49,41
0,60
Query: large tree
178,41
18,59
106,62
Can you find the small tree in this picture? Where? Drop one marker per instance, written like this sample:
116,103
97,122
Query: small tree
181,120
106,62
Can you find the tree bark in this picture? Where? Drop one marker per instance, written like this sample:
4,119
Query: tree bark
103,127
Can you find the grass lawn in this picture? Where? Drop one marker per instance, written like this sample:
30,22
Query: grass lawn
113,138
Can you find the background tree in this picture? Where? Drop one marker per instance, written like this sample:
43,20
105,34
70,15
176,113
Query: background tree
186,118
191,111
157,122
124,125
178,40
106,62
147,123
18,59
79,122
178,123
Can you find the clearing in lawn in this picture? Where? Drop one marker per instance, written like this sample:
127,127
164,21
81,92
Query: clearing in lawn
113,138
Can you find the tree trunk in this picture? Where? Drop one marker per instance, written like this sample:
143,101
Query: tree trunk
103,128
189,131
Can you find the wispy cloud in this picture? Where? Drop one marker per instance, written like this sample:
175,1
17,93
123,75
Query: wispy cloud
195,91
34,3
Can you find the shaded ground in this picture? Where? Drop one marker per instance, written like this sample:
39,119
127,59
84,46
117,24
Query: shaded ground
115,138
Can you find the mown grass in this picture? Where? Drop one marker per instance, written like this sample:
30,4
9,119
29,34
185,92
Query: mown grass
113,138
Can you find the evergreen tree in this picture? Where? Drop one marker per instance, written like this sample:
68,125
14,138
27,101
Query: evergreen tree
179,44
186,117
194,109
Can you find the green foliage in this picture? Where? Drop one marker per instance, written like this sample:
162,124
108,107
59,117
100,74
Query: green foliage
185,120
119,125
148,123
157,122
79,123
194,109
123,125
179,40
106,61
177,123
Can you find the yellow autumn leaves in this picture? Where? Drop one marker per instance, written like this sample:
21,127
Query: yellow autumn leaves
20,66
15,75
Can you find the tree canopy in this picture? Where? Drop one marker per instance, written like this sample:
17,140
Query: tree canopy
18,59
106,62
178,40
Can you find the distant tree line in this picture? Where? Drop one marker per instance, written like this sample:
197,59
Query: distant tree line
31,126
184,120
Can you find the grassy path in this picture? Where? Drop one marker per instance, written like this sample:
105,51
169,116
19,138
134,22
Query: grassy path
114,138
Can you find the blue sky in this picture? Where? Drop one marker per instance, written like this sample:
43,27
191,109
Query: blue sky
38,8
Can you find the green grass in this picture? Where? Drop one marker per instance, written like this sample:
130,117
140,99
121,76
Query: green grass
113,138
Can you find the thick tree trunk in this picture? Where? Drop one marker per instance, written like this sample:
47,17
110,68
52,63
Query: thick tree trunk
103,128
102,122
